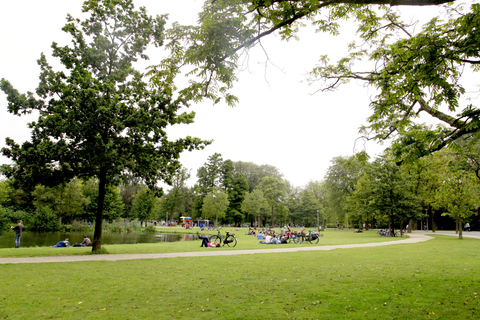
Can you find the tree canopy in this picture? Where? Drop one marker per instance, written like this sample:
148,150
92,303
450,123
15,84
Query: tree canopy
418,73
228,29
99,118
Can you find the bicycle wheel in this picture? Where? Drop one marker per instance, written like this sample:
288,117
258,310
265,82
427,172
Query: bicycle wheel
216,239
313,240
230,241
298,239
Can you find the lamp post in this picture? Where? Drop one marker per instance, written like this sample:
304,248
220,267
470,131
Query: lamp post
318,218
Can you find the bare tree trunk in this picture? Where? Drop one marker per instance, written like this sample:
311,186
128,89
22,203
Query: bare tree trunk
460,228
97,236
434,225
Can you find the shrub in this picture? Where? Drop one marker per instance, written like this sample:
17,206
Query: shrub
78,226
4,218
122,226
44,220
150,228
10,217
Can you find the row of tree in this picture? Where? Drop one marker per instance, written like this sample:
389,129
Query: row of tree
46,208
355,192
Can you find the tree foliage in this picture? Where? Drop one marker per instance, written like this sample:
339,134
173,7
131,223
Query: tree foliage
99,118
215,205
391,199
274,191
228,29
66,200
144,205
415,73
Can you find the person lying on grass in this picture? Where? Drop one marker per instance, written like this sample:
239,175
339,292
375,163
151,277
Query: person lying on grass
63,243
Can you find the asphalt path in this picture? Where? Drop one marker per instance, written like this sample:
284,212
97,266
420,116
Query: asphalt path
415,237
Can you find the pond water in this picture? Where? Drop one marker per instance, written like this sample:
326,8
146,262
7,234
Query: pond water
45,239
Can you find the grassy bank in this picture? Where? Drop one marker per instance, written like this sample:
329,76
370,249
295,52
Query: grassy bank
438,279
331,237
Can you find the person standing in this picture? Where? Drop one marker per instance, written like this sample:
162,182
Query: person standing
18,233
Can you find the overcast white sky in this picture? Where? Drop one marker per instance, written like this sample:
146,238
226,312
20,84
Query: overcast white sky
277,122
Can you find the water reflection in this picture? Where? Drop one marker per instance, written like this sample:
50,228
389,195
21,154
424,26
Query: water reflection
45,239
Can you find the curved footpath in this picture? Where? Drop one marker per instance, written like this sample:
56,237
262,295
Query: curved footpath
415,237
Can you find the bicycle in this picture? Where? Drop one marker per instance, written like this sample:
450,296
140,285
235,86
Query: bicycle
312,236
229,240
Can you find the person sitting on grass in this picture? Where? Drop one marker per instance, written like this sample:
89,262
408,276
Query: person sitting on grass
275,240
86,242
63,243
268,239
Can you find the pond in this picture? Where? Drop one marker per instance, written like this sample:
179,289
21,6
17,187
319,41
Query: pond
45,239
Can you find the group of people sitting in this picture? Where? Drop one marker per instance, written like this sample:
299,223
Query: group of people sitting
271,238
66,243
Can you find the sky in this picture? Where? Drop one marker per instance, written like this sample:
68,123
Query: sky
278,120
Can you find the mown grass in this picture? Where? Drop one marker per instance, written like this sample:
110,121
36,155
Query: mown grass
331,237
437,279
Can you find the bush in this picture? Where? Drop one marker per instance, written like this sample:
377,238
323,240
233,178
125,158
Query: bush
150,228
44,220
9,217
4,218
122,226
78,226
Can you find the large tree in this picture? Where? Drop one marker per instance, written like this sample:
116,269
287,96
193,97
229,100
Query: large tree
391,199
274,191
210,175
458,194
255,204
215,205
236,196
98,117
255,173
228,29
341,180
173,203
416,73
66,200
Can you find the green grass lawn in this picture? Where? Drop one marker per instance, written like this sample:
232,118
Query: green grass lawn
331,237
437,279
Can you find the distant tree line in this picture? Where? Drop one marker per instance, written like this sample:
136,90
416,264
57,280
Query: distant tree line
442,189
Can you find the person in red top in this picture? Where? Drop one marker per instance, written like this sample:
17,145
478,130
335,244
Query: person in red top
18,233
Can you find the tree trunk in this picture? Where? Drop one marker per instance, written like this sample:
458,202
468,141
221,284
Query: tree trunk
410,225
97,236
460,228
272,217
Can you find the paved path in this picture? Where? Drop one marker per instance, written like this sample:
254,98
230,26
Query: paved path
415,237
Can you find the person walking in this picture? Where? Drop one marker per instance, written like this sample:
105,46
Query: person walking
18,233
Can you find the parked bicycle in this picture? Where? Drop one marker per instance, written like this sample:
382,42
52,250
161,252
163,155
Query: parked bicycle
390,233
229,239
312,236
